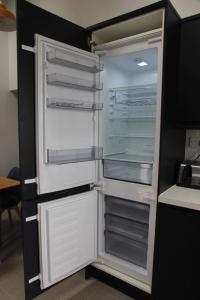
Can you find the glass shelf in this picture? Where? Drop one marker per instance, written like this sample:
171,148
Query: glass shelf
74,60
73,82
73,104
138,158
132,136
74,155
133,119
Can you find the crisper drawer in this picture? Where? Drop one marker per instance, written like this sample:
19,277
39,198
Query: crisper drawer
128,171
132,210
127,228
126,249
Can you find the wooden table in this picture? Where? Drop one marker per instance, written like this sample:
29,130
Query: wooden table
6,183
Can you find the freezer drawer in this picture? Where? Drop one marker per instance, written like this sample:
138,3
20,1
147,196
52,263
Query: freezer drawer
126,249
132,210
128,171
127,228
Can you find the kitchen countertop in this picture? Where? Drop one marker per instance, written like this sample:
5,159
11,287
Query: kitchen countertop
182,197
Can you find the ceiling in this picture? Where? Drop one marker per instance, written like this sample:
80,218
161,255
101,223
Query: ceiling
89,12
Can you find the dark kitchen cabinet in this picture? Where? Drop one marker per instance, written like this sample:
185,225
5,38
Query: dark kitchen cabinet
39,31
177,259
188,106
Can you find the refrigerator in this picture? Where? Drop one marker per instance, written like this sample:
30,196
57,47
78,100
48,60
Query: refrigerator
97,122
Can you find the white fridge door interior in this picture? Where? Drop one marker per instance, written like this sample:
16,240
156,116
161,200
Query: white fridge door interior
67,236
67,112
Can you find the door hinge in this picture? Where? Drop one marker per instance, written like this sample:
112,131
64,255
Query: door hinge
99,186
32,218
33,279
31,180
91,42
28,48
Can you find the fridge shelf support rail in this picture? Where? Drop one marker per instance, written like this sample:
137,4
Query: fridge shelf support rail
73,60
73,104
74,155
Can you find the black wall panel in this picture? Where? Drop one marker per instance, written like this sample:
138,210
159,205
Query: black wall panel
188,106
172,138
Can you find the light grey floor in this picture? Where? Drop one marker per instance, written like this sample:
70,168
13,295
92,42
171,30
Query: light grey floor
73,288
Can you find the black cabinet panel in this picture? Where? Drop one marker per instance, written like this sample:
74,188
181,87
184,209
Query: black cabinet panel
172,139
177,254
187,113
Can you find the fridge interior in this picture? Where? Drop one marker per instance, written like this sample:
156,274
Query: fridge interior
129,134
129,115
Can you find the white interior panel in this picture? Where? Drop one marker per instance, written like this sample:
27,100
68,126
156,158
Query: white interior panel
67,129
67,236
130,137
134,26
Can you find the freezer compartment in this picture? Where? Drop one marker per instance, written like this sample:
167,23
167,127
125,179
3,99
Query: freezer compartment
73,82
74,155
128,171
73,104
138,212
127,228
74,60
126,249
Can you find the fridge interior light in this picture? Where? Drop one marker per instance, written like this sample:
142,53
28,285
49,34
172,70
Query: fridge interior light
141,63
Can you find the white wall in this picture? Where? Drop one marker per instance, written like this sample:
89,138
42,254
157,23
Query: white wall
89,12
186,8
8,114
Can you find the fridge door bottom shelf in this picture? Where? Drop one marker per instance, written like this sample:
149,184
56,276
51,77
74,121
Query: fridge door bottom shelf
73,155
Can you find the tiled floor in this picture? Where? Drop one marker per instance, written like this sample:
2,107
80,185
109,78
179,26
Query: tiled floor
73,288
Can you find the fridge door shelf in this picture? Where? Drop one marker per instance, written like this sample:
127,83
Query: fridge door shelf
126,249
128,171
74,60
73,104
131,210
74,155
127,228
73,82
